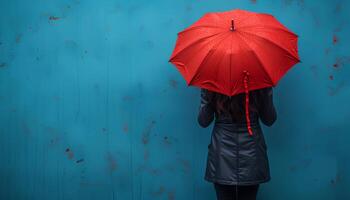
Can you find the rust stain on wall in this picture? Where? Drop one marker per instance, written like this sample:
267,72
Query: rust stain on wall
53,18
337,179
335,39
18,38
112,163
69,153
147,132
125,128
2,65
334,90
173,83
340,61
185,164
54,141
168,140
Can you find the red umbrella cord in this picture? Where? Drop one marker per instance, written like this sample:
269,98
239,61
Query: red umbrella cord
246,74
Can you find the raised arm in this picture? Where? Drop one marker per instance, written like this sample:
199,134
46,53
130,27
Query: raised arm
206,110
267,111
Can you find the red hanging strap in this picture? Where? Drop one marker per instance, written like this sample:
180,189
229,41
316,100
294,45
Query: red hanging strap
246,74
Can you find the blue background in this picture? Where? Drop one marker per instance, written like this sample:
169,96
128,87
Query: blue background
90,108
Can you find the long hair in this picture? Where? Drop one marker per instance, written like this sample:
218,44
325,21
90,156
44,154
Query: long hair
235,105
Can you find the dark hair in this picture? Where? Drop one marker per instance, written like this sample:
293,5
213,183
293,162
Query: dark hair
234,105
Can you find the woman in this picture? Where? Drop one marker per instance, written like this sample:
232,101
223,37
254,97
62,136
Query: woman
237,162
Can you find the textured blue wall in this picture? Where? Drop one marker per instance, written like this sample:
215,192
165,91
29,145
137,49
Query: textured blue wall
90,108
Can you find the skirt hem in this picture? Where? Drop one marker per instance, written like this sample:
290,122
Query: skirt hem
227,182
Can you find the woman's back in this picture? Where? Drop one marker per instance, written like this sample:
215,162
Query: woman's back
235,157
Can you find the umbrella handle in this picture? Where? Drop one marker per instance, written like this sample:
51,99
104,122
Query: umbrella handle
246,74
232,25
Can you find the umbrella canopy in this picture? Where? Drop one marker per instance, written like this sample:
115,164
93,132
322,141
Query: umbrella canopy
235,51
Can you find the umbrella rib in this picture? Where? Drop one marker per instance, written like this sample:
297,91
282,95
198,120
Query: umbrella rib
274,44
199,26
269,27
195,42
205,57
257,57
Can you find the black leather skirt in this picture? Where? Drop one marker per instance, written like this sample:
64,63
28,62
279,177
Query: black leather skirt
235,157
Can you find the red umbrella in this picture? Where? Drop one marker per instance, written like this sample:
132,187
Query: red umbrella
235,51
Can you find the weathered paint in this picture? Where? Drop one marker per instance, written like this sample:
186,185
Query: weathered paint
91,109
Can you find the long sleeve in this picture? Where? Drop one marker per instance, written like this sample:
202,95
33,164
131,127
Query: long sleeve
206,110
267,111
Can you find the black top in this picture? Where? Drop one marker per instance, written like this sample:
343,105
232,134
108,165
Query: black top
264,101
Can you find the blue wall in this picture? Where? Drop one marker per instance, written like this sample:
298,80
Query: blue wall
90,108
